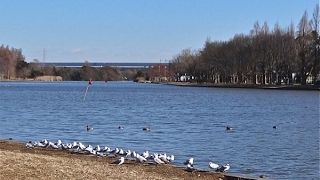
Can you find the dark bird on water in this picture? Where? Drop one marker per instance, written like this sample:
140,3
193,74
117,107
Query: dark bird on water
89,128
147,129
229,128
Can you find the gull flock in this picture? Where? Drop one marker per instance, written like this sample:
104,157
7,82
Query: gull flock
155,158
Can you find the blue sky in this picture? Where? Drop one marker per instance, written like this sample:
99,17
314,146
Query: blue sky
133,30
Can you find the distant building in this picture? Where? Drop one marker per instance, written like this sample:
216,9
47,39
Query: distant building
160,73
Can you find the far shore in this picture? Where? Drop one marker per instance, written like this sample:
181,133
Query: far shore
39,78
249,86
309,87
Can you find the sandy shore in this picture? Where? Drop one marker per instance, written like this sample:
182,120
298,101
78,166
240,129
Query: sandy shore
19,162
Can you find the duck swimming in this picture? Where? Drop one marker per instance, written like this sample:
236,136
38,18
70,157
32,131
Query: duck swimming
147,129
89,128
229,128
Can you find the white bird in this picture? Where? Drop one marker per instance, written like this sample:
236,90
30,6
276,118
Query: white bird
128,153
121,152
97,148
140,158
58,142
89,148
52,145
100,154
74,144
106,149
45,141
164,158
81,146
39,144
170,158
145,154
157,160
213,165
115,151
189,161
119,161
29,145
223,168
133,154
66,146
190,168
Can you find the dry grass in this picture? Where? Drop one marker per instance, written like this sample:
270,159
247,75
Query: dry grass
19,162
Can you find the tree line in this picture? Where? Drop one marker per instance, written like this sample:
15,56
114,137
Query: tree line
263,56
13,66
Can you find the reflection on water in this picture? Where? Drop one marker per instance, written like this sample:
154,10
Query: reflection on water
185,121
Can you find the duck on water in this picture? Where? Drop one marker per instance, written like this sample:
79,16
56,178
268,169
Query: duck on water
89,128
147,129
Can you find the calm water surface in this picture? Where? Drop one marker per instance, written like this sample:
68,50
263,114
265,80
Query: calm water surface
185,121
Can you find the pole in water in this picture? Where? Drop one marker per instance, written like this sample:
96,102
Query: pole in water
85,94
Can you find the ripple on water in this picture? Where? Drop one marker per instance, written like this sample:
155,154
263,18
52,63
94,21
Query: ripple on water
181,125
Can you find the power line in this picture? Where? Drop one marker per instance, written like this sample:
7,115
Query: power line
44,55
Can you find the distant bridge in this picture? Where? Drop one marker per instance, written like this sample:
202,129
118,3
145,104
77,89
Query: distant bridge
98,64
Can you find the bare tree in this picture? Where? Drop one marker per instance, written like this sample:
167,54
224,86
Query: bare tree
303,43
7,63
316,40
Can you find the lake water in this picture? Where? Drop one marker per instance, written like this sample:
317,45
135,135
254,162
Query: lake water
185,121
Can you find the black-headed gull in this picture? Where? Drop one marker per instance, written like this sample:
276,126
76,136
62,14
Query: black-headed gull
170,158
29,145
157,160
189,161
127,153
190,168
97,148
121,152
106,149
164,158
223,168
115,151
59,142
119,161
145,154
40,144
213,166
81,146
133,154
140,158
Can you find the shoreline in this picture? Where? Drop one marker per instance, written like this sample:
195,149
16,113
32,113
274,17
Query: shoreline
308,87
245,86
20,162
